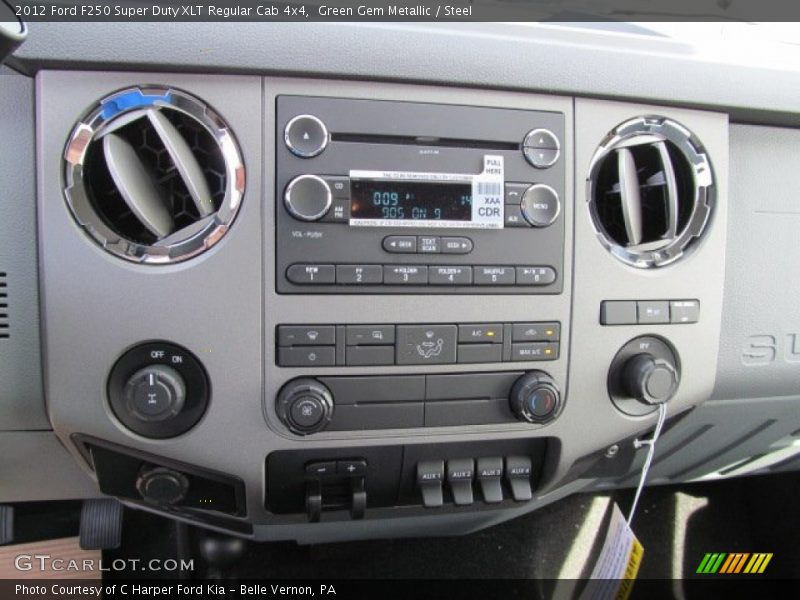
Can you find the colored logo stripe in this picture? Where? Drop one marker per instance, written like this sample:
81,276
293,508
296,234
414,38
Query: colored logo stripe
758,563
733,563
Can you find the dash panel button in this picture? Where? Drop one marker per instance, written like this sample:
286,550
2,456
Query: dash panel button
684,311
653,311
426,345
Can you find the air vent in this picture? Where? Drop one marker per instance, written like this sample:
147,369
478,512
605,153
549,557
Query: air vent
650,191
153,175
4,324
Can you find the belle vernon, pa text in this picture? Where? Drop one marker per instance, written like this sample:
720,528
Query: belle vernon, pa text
203,591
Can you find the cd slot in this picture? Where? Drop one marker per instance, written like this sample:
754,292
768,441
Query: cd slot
410,140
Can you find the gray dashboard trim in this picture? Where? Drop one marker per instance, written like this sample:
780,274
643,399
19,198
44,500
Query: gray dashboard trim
22,405
546,58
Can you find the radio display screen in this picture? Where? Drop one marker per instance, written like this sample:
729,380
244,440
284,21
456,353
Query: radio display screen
410,200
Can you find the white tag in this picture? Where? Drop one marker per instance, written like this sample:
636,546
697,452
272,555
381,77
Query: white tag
617,564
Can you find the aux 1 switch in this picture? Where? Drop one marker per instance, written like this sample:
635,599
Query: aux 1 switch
430,474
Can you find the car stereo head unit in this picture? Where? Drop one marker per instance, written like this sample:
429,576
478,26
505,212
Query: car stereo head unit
400,197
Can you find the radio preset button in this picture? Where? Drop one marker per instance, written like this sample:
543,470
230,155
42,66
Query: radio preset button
540,205
454,275
311,274
456,245
513,216
339,211
429,244
305,136
514,192
494,276
400,244
535,275
307,197
340,186
405,275
359,274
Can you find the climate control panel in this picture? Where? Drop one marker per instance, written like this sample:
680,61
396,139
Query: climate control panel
310,405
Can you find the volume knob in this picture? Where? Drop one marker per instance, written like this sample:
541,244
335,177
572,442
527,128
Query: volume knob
307,197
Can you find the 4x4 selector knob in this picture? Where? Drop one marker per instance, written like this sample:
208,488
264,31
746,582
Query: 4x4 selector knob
535,398
155,393
305,406
650,379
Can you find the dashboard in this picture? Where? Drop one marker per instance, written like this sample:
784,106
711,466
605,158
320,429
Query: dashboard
329,297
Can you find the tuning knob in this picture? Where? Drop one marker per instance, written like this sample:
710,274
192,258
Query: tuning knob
650,379
305,406
535,398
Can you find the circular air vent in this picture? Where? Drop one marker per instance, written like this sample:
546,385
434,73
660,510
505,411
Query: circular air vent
650,191
153,175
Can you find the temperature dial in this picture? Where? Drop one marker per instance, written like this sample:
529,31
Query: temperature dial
535,398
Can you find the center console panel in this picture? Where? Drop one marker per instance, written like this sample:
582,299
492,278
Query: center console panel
397,300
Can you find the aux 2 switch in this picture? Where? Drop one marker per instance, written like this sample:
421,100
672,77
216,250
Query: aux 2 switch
460,472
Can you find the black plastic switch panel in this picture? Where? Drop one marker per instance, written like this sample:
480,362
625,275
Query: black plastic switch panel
369,355
306,335
618,312
489,475
536,332
351,468
489,333
430,474
460,473
480,353
684,311
518,476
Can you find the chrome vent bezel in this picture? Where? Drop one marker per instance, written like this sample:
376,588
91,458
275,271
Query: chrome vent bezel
187,242
652,130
